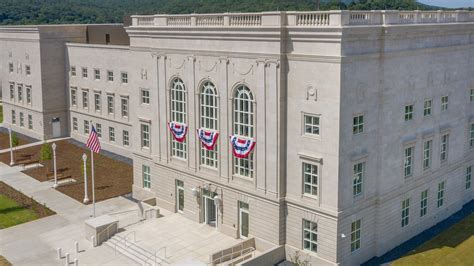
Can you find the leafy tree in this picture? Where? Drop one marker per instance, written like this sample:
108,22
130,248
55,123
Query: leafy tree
46,152
113,11
15,140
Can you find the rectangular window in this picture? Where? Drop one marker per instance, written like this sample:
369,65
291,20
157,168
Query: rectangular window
124,77
471,95
310,178
84,72
408,161
124,104
74,124
12,91
27,70
427,108
111,134
409,112
20,93
10,67
405,212
85,99
30,122
468,177
110,104
97,74
126,140
145,136
22,120
110,75
440,201
424,203
86,127
427,154
355,235
73,96
444,103
145,96
358,124
98,129
444,147
358,178
97,102
311,125
73,71
310,236
13,117
28,94
146,173
471,135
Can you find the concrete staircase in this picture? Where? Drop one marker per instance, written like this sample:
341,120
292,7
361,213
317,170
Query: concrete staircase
133,251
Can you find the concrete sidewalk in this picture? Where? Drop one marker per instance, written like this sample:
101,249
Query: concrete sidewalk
35,243
33,144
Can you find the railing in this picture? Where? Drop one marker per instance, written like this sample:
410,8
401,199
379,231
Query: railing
304,19
232,255
106,230
151,256
312,19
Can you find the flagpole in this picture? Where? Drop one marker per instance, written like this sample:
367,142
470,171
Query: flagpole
93,186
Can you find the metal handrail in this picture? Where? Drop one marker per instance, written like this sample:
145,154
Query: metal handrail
107,229
150,255
242,252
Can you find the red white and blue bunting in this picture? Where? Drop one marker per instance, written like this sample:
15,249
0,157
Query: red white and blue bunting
178,130
208,137
242,146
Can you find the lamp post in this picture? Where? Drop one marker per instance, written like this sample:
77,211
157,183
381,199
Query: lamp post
55,185
86,199
11,146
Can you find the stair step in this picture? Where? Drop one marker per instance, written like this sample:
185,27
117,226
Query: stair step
131,251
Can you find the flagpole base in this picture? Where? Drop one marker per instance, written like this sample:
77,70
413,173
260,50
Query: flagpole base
86,200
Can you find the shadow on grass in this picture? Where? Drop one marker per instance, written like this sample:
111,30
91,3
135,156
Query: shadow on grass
12,209
412,244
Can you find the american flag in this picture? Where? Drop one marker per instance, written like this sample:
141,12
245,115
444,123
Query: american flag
93,142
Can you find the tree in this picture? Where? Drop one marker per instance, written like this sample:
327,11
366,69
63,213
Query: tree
15,140
46,152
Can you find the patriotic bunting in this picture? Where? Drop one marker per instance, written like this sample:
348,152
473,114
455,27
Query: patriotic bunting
242,146
178,130
208,137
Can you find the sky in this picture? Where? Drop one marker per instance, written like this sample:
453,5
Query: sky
449,3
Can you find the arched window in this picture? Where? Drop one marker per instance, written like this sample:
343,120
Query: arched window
244,126
178,114
209,119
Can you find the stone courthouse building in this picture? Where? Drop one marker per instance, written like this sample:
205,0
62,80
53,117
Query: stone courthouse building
363,122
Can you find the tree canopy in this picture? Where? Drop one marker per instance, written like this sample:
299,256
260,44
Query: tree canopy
113,11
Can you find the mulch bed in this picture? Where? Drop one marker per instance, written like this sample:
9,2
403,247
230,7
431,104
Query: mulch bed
5,140
25,201
30,154
112,178
4,262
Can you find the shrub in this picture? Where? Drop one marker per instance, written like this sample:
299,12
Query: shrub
46,152
15,140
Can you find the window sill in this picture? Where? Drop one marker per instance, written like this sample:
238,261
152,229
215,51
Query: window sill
309,196
245,178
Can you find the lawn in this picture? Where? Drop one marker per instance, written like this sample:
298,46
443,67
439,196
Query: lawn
11,213
455,246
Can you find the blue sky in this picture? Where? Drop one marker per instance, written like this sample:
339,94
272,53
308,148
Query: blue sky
449,3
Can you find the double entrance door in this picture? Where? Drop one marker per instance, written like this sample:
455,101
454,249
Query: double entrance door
209,208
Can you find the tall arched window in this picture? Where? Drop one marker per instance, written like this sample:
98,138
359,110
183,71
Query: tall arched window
244,126
178,114
209,118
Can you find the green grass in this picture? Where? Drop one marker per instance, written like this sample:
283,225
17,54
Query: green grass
1,113
12,214
455,246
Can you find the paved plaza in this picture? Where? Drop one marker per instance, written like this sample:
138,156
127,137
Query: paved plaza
35,243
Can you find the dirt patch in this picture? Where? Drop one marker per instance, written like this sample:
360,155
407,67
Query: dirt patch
25,201
5,140
112,178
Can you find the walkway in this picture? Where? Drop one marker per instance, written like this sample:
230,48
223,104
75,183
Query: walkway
35,242
33,144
